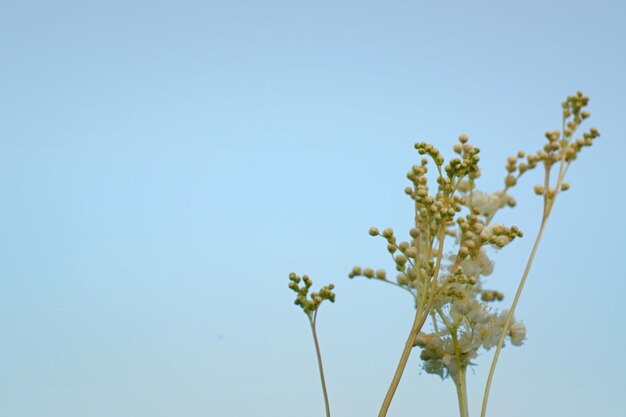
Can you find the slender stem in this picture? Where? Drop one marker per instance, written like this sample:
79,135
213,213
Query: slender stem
509,316
461,392
418,322
319,362
547,209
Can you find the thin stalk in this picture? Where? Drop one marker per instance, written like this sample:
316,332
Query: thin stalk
548,204
319,363
418,322
509,316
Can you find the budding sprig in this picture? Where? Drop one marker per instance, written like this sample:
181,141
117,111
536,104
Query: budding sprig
450,293
310,305
438,216
562,148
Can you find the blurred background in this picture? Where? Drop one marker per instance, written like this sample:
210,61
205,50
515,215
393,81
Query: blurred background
165,165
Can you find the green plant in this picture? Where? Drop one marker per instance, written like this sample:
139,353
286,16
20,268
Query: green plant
443,263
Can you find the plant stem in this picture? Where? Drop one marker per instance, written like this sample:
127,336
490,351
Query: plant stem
418,322
461,392
509,316
319,363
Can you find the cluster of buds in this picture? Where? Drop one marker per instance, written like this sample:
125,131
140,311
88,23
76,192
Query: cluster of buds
456,209
449,288
368,273
562,147
491,295
309,305
468,165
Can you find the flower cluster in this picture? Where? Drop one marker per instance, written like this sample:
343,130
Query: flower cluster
449,288
311,304
445,355
447,255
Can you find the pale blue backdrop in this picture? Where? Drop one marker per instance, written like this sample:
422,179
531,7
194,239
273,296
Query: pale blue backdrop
165,165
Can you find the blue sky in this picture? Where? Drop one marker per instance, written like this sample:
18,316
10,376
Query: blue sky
165,165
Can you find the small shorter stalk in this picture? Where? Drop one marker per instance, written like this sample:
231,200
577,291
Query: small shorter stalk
319,363
421,315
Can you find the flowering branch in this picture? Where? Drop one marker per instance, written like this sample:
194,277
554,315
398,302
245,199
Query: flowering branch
310,308
562,149
446,278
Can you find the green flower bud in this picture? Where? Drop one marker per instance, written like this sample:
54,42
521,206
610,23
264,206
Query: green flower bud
400,259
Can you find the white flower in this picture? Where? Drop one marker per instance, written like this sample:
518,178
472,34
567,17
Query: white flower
486,203
434,366
468,345
479,315
517,332
490,334
471,267
481,265
450,362
463,306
